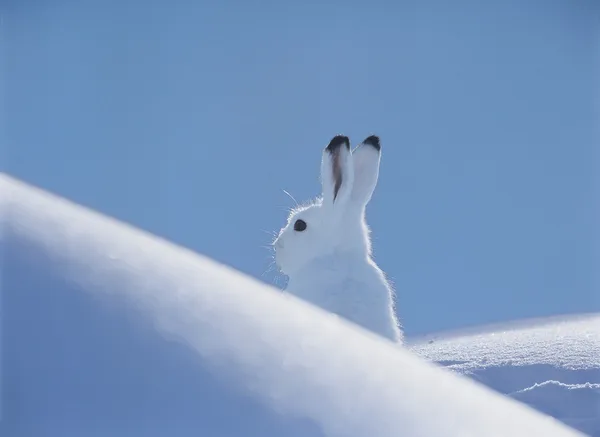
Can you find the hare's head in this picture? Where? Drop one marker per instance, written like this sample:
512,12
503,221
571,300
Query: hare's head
334,223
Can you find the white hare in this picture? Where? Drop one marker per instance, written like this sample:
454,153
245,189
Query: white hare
325,249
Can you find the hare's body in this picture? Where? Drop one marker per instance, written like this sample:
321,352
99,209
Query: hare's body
351,287
325,248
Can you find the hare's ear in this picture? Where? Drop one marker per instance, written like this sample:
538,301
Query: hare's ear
366,159
337,172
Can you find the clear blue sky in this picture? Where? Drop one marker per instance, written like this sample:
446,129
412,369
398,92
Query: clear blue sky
188,119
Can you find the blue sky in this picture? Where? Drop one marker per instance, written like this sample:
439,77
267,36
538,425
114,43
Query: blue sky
189,121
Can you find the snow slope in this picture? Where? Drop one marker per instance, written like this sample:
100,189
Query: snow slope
551,364
111,331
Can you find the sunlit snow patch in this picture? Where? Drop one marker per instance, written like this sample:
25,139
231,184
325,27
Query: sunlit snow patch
551,364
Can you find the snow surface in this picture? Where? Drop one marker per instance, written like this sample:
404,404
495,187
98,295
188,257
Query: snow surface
108,330
551,364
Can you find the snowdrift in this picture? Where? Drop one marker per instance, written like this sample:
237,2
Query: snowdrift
110,331
551,364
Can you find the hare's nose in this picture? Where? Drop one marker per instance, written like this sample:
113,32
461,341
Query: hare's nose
279,243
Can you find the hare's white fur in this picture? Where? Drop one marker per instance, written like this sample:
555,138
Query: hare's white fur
329,262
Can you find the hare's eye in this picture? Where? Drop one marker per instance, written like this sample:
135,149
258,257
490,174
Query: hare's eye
300,225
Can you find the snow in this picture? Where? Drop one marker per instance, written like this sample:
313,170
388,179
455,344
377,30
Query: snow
108,330
550,364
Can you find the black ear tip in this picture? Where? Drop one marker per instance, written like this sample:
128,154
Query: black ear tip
337,142
373,140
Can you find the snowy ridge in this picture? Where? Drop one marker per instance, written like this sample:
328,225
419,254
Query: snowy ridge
587,385
521,343
111,331
577,405
550,364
